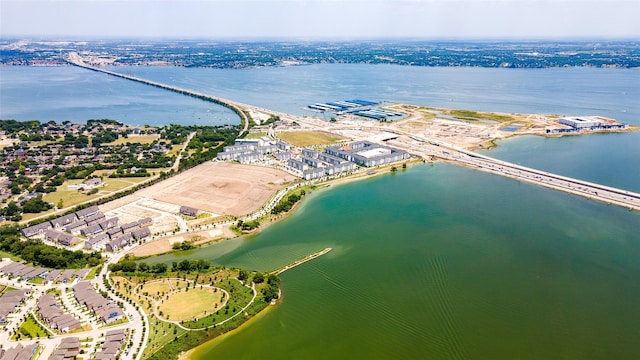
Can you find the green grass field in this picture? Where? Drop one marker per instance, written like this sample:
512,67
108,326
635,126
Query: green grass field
72,197
161,334
4,254
92,273
257,135
36,280
155,289
308,138
190,304
30,329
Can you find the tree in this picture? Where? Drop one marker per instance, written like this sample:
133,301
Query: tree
258,278
143,267
243,275
159,268
60,203
184,265
128,266
35,205
203,264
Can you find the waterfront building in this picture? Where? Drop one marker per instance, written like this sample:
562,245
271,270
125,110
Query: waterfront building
297,165
283,146
367,154
328,158
336,169
249,158
282,156
310,153
313,162
580,122
313,173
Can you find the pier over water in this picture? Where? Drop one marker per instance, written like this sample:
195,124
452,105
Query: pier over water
429,147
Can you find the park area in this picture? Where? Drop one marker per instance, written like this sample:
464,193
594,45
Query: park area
192,304
187,308
220,187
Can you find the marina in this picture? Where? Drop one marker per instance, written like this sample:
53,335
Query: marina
359,107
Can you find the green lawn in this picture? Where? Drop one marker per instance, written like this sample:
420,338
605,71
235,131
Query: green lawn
30,329
92,273
36,280
4,254
70,197
308,138
257,135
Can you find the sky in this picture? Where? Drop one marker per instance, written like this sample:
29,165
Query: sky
321,19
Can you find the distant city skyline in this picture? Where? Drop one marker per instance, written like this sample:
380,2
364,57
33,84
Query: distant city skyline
321,19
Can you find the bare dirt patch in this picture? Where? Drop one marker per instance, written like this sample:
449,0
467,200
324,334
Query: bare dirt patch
220,188
165,244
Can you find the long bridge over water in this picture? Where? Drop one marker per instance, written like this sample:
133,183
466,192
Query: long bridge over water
432,147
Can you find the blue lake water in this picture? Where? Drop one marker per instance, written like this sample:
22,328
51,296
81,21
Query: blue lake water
438,262
77,95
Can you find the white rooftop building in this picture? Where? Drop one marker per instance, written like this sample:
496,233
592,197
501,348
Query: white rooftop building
580,122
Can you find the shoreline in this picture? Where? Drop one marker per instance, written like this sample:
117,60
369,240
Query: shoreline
188,354
386,169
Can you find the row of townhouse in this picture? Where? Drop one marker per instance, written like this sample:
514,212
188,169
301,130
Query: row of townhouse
246,156
61,238
136,230
69,348
104,308
112,345
22,271
51,311
10,301
248,151
26,273
62,222
319,170
19,352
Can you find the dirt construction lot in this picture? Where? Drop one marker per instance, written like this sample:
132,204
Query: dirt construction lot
220,187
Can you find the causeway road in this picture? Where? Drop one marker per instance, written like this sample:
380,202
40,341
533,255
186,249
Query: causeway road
447,151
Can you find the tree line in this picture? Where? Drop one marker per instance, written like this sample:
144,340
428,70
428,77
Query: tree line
36,252
287,203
